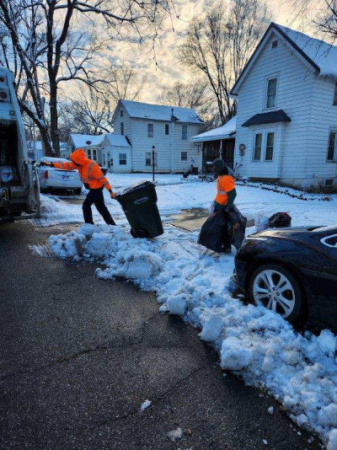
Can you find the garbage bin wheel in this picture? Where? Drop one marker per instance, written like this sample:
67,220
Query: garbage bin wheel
140,233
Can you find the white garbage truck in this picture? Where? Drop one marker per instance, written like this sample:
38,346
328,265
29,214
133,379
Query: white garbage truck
19,188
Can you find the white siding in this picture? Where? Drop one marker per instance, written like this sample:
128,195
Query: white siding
294,95
141,144
126,120
323,119
193,151
168,147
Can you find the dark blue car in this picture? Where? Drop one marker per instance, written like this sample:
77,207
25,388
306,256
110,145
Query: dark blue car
292,271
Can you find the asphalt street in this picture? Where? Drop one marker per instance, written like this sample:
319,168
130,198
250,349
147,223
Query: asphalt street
78,357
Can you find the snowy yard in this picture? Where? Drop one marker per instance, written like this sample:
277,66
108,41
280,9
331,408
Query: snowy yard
299,370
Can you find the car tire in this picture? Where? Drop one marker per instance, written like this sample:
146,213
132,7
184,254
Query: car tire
273,286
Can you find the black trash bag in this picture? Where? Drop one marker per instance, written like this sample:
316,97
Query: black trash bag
237,226
280,220
211,233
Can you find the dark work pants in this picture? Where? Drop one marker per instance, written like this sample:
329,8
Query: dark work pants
225,238
95,197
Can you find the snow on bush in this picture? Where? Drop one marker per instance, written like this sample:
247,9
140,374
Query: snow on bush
299,370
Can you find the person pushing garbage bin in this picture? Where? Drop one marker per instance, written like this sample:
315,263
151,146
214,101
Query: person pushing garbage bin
93,179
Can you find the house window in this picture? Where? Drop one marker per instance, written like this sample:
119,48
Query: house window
94,155
335,95
148,159
271,93
150,130
122,128
270,147
331,147
89,153
121,113
184,133
184,156
257,147
274,44
167,129
122,159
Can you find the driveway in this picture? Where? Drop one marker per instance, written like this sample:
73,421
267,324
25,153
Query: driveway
79,355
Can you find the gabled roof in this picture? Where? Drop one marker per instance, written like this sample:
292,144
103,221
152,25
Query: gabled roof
138,110
85,140
117,140
267,117
318,54
226,131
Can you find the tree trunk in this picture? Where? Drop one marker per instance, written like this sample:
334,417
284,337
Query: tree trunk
46,142
54,133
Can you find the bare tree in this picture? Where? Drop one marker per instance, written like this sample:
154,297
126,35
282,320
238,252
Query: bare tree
325,13
91,111
219,44
328,22
49,47
190,95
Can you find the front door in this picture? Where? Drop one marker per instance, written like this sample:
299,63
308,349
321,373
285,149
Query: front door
228,152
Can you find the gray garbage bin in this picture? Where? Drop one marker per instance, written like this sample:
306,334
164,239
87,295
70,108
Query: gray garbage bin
139,203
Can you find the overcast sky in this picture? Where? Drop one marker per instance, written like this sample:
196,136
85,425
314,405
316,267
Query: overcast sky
168,69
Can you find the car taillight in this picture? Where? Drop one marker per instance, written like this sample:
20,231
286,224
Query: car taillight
46,175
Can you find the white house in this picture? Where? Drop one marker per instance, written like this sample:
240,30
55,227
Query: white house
116,153
90,144
166,130
217,143
287,110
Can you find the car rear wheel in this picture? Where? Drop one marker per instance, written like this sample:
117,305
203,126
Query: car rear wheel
275,288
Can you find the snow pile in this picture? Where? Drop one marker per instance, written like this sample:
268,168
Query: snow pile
300,371
145,405
174,435
55,211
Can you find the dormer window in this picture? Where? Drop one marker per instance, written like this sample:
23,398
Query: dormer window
121,113
271,93
274,44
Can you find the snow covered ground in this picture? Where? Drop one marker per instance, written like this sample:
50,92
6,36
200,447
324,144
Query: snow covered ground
299,370
175,194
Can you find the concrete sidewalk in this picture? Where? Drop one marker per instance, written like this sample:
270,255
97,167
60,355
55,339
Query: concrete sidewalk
80,355
193,219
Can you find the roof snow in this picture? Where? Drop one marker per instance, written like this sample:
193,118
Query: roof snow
140,110
322,54
117,140
226,131
84,140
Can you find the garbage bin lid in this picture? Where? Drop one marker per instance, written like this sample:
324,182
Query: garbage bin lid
140,186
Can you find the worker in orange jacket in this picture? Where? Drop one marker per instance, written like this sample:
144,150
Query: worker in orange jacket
226,194
93,179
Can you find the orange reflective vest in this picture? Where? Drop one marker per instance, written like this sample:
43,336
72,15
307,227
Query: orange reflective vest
224,184
90,172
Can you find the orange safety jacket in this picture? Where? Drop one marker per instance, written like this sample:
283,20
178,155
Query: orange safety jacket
90,172
225,184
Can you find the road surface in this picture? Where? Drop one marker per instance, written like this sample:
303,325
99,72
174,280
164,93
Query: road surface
78,357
